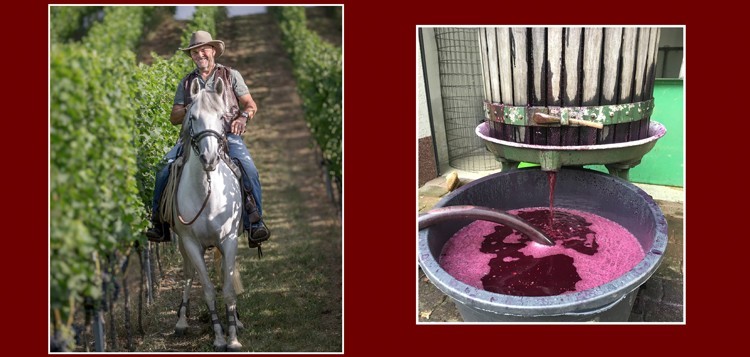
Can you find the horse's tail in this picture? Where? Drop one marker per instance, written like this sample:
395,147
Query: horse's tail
236,281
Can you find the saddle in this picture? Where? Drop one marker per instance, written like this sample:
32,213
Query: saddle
248,201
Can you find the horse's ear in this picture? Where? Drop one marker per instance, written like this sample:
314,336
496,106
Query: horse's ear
219,86
195,87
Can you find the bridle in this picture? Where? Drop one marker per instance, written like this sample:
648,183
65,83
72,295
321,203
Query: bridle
194,140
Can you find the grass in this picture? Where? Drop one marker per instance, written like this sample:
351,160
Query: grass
292,299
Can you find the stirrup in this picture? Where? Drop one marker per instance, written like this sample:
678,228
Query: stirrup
260,233
255,243
252,245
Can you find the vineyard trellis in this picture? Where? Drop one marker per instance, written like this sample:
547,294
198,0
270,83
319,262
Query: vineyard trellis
107,133
318,69
106,113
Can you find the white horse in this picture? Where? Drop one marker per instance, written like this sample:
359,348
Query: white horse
207,206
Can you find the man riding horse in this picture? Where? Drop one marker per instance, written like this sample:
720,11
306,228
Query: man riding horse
240,108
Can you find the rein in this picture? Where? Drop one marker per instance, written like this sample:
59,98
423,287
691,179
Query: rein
177,205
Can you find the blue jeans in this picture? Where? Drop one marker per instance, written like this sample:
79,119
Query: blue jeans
237,150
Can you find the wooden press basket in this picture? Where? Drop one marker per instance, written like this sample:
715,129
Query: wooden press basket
599,75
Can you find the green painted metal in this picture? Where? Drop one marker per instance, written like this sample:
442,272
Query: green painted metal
665,163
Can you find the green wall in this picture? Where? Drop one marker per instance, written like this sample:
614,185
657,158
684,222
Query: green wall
665,163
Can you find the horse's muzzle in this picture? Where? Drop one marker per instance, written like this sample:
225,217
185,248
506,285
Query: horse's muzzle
209,164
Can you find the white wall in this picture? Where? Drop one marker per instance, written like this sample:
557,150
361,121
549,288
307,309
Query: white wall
423,119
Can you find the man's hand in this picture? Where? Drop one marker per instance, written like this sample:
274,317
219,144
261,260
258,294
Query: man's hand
179,113
238,126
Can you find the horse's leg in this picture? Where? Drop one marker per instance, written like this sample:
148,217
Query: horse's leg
184,309
196,257
230,297
236,282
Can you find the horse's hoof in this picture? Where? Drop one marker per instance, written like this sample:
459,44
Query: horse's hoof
234,347
180,331
220,348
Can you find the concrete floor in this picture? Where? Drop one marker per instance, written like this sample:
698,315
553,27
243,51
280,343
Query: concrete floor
660,299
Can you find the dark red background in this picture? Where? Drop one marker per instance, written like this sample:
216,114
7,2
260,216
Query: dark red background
381,181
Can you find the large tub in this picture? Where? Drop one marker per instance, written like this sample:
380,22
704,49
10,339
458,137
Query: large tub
581,189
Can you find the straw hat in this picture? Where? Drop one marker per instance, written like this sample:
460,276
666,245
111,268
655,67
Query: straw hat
200,38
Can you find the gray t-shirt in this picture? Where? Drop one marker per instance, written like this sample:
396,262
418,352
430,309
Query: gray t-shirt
238,86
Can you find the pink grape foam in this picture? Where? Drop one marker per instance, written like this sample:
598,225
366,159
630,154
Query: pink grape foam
589,251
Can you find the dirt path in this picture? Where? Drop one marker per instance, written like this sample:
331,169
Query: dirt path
292,300
306,227
164,39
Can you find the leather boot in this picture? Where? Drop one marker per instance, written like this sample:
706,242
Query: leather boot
159,232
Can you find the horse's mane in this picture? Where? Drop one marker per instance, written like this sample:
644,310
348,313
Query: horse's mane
210,100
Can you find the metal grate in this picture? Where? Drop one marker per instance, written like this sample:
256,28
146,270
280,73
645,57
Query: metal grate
461,88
